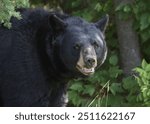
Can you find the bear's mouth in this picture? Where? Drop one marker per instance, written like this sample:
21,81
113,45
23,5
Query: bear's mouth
85,71
83,67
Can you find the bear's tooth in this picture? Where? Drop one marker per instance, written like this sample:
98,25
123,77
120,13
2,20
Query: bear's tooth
88,70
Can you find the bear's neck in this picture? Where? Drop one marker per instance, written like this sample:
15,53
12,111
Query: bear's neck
57,64
49,54
50,57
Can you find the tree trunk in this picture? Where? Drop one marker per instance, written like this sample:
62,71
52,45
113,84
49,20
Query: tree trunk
128,41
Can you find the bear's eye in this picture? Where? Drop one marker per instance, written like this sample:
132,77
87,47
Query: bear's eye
77,46
95,44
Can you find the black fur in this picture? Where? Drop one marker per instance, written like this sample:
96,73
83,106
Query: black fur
32,72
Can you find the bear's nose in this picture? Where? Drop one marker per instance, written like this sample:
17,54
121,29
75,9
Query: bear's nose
90,62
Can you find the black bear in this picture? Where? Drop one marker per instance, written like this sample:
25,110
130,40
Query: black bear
42,52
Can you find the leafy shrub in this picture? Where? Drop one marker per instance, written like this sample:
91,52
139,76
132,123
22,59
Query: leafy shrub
7,10
106,89
93,91
143,81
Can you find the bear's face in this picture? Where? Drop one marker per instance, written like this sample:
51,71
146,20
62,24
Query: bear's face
82,45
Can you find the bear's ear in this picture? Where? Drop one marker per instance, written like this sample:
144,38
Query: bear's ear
102,23
56,23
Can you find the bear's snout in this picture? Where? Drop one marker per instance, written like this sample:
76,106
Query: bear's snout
90,62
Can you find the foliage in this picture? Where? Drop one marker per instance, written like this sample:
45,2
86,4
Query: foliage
7,10
106,88
94,90
109,90
144,82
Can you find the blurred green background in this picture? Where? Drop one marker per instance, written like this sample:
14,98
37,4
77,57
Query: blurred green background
124,78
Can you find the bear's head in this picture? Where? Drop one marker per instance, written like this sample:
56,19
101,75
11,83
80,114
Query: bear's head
82,47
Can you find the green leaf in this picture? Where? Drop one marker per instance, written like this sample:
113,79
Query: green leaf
140,71
144,64
144,21
144,80
145,35
113,60
132,98
89,89
116,88
114,72
129,83
147,68
98,7
76,3
74,97
127,8
148,93
145,93
115,101
76,86
119,7
139,81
